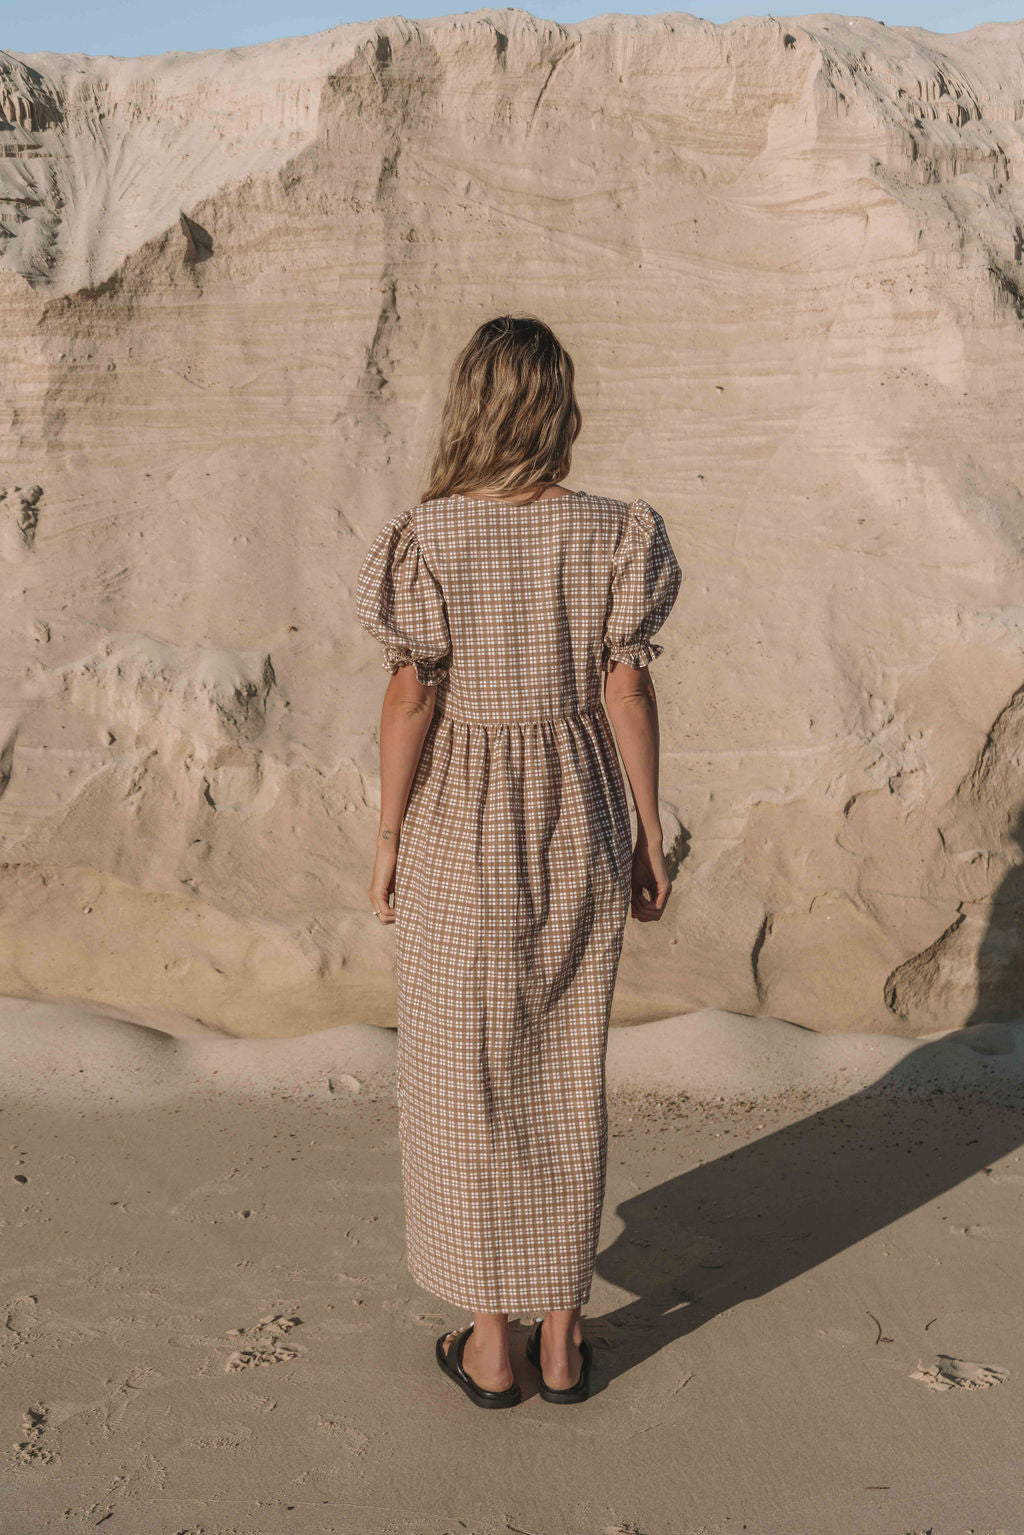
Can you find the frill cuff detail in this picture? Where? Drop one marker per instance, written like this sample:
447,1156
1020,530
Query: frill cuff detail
430,670
636,655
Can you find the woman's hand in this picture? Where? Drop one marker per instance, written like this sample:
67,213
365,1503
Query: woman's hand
382,883
650,881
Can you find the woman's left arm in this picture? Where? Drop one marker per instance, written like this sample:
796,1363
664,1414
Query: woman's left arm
405,718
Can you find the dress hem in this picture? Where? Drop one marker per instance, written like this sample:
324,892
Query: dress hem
512,1307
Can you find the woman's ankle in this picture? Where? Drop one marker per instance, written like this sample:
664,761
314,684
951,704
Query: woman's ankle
559,1329
490,1335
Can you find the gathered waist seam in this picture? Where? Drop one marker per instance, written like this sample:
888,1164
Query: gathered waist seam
535,719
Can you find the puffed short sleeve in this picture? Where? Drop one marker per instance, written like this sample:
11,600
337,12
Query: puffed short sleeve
645,584
399,602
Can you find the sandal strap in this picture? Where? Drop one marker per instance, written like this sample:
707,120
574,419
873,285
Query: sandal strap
460,1347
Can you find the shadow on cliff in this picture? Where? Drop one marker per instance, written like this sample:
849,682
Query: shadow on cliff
1000,961
198,241
774,1209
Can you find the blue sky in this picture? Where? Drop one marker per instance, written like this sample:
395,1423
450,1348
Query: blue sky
129,28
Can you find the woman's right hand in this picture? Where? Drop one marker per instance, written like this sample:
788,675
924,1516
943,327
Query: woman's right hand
650,875
382,881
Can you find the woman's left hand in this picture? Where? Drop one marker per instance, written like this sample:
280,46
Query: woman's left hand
382,883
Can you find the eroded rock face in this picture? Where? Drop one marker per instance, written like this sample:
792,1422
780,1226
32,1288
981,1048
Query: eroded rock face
787,259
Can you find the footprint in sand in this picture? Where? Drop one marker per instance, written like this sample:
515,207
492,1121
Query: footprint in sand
262,1343
31,1449
249,1401
947,1374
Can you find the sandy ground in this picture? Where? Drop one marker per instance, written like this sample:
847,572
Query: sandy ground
806,1313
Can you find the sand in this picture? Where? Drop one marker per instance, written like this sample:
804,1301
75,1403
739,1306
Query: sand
806,1315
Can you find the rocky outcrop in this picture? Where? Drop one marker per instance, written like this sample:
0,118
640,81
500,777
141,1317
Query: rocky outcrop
787,258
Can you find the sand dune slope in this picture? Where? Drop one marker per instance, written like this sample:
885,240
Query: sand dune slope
787,256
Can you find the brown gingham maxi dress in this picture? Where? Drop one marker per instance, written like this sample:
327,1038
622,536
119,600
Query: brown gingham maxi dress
512,882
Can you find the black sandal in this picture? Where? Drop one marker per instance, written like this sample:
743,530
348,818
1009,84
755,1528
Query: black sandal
577,1393
453,1367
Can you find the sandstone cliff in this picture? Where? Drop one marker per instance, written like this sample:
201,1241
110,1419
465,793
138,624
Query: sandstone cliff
787,257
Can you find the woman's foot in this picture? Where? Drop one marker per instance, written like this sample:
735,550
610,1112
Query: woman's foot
485,1362
561,1362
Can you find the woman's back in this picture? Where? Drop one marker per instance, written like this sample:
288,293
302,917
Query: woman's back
513,608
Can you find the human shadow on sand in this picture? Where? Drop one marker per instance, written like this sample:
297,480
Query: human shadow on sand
767,1212
774,1209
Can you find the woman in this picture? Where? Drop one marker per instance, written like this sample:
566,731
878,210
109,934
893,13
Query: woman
505,839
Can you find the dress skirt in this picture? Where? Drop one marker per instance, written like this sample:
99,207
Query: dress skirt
508,925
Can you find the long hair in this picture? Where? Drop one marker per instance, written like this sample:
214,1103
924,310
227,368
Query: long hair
510,417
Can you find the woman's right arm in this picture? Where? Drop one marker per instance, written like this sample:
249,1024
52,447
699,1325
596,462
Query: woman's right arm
631,705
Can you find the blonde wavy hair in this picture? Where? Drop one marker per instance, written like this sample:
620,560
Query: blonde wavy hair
510,417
